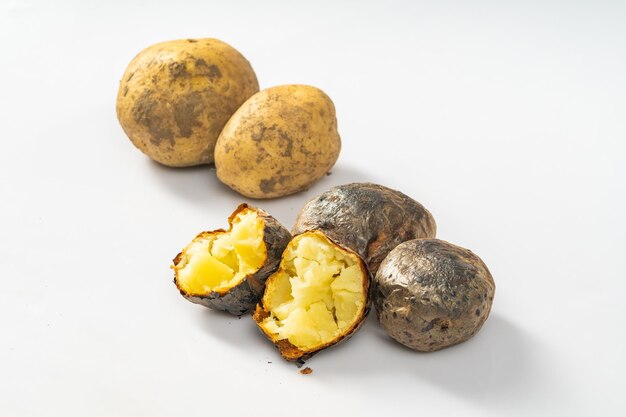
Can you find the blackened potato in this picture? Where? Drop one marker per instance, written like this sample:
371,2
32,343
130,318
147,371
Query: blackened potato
227,270
430,294
368,218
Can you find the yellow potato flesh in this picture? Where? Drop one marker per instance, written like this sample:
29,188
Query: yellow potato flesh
220,261
317,294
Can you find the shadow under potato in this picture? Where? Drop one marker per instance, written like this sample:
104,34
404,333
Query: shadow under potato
226,327
493,367
495,360
199,185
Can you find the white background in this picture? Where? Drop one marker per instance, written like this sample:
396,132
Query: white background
505,119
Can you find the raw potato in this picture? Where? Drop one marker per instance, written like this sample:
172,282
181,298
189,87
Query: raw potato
317,298
227,270
279,142
430,294
175,97
368,218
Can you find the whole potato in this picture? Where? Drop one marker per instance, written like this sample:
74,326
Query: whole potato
175,97
430,294
279,142
368,218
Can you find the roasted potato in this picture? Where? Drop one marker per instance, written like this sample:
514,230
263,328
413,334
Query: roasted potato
368,218
279,142
430,294
317,298
227,270
175,97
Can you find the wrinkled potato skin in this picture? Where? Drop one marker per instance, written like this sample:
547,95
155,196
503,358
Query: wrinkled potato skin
431,294
279,142
368,218
175,97
243,297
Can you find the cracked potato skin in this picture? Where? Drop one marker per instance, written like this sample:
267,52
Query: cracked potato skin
368,218
175,97
279,142
431,294
243,297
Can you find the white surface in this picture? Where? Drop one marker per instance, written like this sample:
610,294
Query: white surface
506,120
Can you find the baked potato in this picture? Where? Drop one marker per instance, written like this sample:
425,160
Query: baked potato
175,97
317,298
368,218
278,142
227,269
430,294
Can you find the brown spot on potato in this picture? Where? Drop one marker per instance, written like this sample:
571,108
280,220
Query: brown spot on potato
214,72
178,70
186,113
145,112
258,132
211,71
286,143
261,133
268,186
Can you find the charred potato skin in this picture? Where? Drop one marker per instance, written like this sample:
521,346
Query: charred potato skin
243,297
368,218
279,142
291,352
175,97
431,294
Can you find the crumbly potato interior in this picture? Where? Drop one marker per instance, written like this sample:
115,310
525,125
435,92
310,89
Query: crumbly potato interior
216,262
316,295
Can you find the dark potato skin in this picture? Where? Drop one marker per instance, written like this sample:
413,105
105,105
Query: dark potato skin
368,218
243,297
291,352
430,294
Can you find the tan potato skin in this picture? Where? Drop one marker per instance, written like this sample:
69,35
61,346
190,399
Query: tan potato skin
279,142
175,97
430,294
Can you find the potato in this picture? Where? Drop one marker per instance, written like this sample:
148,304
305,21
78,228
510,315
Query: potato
317,298
430,294
175,97
368,218
227,270
279,142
